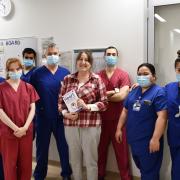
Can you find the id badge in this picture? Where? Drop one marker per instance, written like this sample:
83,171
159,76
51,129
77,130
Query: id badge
137,106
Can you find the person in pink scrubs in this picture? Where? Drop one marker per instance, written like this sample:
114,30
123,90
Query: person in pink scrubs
17,109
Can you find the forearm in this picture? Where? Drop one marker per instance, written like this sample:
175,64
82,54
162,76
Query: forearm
160,126
120,96
30,116
6,120
122,119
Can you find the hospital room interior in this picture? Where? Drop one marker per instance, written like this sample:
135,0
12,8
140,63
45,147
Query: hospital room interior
140,32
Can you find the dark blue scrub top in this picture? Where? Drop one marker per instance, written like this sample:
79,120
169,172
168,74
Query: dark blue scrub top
48,87
141,124
1,79
26,77
173,98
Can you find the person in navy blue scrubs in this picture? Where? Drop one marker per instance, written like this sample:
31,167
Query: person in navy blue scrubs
173,132
1,165
47,81
145,116
29,61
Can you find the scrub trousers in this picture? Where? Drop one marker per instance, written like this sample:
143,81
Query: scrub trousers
1,169
149,164
175,169
17,157
121,149
43,135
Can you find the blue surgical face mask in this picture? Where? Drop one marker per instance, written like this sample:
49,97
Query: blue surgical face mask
178,77
111,60
15,75
144,81
53,60
28,62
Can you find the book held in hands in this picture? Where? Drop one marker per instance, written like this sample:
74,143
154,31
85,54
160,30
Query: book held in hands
70,99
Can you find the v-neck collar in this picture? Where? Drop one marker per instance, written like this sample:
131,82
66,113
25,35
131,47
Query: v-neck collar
50,71
110,79
16,91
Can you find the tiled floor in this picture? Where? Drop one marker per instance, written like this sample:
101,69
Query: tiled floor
53,174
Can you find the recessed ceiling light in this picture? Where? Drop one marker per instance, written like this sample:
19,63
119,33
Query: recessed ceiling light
176,30
157,16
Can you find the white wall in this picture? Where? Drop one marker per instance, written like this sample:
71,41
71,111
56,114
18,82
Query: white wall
84,24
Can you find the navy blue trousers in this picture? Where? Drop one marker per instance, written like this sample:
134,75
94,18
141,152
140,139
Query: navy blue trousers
175,156
149,164
44,129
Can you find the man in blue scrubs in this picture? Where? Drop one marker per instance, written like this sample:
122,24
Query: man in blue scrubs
29,61
1,165
47,82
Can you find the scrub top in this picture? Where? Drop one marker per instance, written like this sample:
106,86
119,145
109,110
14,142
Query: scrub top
48,87
173,98
142,112
16,104
26,77
119,79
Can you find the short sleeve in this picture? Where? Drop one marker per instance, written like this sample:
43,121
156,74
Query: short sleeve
125,80
126,103
1,97
33,94
160,101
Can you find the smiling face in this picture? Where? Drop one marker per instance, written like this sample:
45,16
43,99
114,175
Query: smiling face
83,63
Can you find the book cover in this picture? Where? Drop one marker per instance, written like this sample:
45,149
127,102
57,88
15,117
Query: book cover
70,99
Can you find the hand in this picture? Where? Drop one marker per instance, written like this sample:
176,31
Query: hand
154,145
110,93
20,132
71,116
82,104
118,135
135,85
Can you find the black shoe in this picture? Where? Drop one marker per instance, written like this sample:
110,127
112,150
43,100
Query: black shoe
100,178
66,178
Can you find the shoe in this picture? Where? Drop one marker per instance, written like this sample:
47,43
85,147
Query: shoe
66,178
100,178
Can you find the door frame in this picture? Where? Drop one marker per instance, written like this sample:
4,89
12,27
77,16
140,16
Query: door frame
150,23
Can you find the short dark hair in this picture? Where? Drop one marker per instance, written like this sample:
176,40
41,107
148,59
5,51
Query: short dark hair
177,59
149,66
111,47
89,55
29,51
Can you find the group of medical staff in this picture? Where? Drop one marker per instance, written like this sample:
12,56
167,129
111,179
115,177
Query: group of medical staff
108,110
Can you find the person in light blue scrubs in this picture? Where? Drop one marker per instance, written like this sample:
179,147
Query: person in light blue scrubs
29,61
1,165
47,82
145,116
173,132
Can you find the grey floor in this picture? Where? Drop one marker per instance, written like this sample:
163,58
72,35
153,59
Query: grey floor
53,174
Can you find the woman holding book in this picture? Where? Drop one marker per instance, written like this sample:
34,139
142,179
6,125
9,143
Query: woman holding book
83,127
